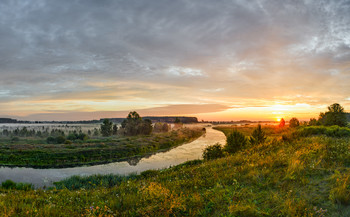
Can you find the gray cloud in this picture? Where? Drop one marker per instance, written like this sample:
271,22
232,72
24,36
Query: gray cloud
246,49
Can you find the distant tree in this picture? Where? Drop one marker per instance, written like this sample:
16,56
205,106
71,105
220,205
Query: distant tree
213,152
334,116
146,128
134,125
294,122
115,129
160,127
177,120
235,141
96,132
258,136
313,122
106,127
282,123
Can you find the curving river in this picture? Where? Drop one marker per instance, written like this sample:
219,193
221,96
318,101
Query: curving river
175,156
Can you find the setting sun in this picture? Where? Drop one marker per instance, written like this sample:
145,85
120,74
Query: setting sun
278,119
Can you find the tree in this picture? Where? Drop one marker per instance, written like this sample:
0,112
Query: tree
313,122
294,122
115,129
213,152
258,136
334,116
235,141
160,127
106,127
134,125
282,123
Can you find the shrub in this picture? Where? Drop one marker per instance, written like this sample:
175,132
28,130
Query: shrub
235,141
213,152
50,140
60,139
9,184
258,136
294,122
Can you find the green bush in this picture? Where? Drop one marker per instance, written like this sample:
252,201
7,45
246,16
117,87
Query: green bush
332,131
258,136
235,141
60,139
9,184
213,152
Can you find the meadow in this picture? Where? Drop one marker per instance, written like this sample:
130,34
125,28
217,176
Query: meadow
292,174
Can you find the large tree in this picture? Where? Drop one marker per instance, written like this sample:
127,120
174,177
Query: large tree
334,116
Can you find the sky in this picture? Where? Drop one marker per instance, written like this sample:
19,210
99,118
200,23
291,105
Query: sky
216,60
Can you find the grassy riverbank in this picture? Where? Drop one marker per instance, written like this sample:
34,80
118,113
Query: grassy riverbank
32,153
298,176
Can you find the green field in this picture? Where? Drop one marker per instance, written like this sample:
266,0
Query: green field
298,176
33,152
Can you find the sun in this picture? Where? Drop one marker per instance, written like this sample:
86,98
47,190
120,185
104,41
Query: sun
278,119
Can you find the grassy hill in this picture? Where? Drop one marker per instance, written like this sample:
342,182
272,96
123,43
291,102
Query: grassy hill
292,174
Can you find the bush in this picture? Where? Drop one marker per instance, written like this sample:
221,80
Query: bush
258,136
294,122
213,152
50,140
60,139
235,141
9,184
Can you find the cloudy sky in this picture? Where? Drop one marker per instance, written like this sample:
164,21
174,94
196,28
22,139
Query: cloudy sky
217,60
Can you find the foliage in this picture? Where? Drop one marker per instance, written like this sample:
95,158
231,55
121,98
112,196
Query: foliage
177,120
235,141
313,122
133,125
55,140
9,184
106,128
282,123
213,152
115,129
334,116
161,127
258,136
298,178
91,182
333,131
294,122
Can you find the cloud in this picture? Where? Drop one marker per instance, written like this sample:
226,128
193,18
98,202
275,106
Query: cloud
171,52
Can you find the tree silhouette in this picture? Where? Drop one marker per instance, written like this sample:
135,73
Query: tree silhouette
282,123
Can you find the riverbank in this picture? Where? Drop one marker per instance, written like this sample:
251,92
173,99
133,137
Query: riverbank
92,151
305,176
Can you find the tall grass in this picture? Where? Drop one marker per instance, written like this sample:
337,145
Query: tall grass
307,176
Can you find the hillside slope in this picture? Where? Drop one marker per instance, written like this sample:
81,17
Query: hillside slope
306,176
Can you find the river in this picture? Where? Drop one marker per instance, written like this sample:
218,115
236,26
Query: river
46,177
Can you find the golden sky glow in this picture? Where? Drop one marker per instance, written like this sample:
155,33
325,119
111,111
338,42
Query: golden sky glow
222,60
